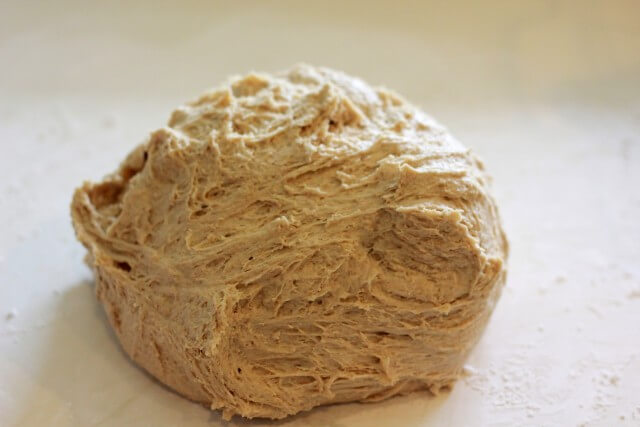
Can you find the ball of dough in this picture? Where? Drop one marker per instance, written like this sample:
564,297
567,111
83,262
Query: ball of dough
295,240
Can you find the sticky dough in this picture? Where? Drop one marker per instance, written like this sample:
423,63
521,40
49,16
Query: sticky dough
295,240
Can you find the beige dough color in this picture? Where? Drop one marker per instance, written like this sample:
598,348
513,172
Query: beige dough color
296,240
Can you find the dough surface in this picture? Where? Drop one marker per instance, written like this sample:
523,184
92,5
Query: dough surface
295,240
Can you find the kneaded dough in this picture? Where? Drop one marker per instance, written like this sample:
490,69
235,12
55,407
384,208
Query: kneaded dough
295,240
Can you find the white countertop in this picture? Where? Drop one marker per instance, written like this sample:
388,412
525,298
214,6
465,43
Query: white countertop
548,93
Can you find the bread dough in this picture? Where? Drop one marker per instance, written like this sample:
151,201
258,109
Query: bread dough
295,240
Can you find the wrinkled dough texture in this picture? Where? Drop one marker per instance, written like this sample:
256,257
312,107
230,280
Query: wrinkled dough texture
295,240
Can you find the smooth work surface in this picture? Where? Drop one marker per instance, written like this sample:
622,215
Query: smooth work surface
548,94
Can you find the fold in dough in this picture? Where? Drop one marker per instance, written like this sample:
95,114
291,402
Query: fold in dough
295,240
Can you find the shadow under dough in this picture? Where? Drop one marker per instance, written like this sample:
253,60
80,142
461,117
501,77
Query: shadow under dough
413,410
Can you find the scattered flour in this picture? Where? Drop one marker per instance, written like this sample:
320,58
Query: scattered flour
560,279
509,386
109,122
11,314
514,384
